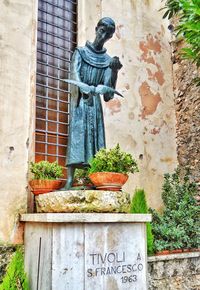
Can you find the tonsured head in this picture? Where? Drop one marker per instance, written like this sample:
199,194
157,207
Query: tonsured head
104,30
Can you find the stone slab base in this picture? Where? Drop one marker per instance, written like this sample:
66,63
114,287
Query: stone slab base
86,251
83,201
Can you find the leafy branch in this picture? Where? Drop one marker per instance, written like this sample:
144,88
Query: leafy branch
188,12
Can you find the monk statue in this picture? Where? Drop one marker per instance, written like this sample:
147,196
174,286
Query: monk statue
93,73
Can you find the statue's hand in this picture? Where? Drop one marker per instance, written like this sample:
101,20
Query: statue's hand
115,63
87,90
91,90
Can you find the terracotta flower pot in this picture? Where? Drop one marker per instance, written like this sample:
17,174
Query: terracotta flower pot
194,250
176,251
164,252
83,185
43,186
186,250
108,180
168,252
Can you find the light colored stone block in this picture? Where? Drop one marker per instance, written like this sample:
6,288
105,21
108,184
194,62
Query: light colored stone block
84,254
83,201
68,256
38,245
115,257
85,218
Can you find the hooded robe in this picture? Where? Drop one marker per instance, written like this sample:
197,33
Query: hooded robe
86,127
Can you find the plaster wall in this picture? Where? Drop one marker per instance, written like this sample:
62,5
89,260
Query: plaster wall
17,66
143,123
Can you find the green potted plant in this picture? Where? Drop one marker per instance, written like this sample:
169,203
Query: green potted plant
81,179
45,176
110,167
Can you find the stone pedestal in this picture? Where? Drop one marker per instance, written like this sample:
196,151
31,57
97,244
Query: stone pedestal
86,251
83,201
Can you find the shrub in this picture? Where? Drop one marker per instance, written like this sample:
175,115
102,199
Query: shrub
178,226
46,170
15,278
113,160
188,12
139,205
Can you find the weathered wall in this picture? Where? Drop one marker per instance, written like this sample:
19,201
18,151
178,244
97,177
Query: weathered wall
174,272
187,101
144,122
17,59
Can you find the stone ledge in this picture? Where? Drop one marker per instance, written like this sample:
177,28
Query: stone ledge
86,218
174,271
174,256
80,201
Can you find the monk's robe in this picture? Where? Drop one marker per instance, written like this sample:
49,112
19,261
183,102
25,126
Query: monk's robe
86,127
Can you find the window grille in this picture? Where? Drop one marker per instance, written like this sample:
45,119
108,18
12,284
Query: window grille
56,40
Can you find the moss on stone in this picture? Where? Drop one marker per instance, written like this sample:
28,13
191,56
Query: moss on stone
84,201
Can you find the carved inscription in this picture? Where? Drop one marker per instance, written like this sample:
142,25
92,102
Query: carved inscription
114,263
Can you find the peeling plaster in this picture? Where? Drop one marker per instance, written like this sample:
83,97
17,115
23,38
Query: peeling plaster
152,43
114,106
149,100
155,131
158,76
149,48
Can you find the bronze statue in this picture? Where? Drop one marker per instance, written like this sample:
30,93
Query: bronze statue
93,73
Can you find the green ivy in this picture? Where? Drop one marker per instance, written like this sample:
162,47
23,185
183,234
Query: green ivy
139,205
113,160
178,226
15,278
188,12
46,170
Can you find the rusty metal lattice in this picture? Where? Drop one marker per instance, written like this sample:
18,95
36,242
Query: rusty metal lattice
56,40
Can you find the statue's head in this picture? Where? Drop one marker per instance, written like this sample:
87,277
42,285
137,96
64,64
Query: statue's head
108,23
105,29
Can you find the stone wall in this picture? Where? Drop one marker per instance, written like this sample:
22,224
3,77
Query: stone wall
187,102
174,272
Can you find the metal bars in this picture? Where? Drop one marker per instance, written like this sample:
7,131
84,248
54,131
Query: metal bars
57,29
